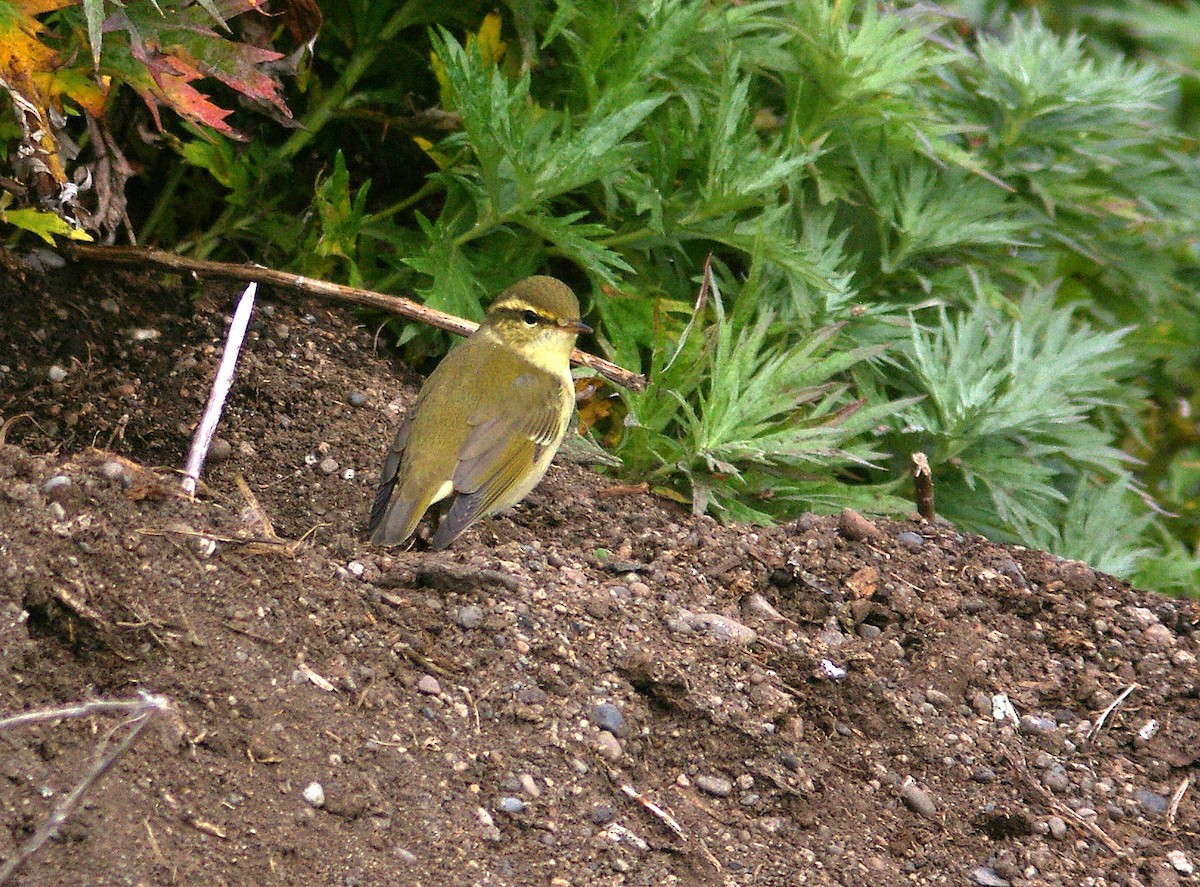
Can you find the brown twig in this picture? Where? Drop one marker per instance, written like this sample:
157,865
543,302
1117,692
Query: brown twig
923,484
143,710
667,819
1177,799
1086,825
1104,716
142,256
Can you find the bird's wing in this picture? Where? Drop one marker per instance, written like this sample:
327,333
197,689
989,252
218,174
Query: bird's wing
387,477
501,448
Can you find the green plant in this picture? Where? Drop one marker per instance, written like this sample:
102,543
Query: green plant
967,233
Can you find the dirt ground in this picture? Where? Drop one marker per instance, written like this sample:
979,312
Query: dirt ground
596,689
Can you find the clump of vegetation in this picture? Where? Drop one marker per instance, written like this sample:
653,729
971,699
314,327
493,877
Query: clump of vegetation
973,237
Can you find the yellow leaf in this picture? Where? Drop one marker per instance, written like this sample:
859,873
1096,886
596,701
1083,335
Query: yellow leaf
44,224
436,156
491,47
491,51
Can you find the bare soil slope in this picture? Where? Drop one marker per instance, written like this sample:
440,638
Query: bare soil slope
596,689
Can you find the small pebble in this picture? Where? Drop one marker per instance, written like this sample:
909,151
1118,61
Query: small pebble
328,465
1057,827
717,786
1055,778
529,785
608,717
57,488
920,802
723,629
1033,724
469,617
603,815
219,450
1180,862
314,794
1152,802
910,540
511,806
56,373
1143,616
988,877
110,306
429,685
58,512
758,606
1078,576
608,747
983,775
114,471
1158,635
1012,570
357,398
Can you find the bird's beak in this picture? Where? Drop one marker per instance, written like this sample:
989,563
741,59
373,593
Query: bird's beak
575,326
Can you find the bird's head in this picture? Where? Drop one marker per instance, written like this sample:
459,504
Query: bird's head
539,317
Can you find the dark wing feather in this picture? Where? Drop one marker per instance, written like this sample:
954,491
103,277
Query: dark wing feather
387,477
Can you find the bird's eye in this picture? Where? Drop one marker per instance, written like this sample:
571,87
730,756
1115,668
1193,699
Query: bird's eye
530,318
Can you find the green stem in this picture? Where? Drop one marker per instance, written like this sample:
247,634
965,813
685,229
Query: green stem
408,202
627,238
363,58
166,198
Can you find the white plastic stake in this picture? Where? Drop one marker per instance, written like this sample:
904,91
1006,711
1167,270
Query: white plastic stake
222,382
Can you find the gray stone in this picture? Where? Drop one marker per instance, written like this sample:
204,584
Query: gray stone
1037,724
1152,802
429,685
608,717
357,398
1055,778
910,540
511,806
717,786
469,617
988,877
1180,862
57,488
1057,827
723,629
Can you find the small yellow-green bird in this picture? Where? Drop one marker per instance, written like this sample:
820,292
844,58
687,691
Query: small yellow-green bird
487,421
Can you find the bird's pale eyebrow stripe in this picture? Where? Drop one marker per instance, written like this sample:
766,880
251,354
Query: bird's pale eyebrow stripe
516,311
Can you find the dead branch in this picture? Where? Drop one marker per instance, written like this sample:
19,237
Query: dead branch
141,256
1177,799
1104,716
143,710
923,484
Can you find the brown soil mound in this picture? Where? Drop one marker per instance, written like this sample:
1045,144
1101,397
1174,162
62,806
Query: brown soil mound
596,689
